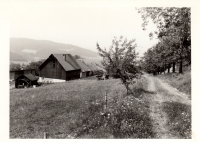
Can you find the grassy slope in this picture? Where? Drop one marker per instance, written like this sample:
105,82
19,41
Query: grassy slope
178,113
74,108
180,81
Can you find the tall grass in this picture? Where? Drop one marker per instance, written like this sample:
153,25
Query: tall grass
179,118
180,81
75,109
178,114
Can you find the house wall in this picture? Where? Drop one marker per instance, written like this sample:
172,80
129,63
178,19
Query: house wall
51,71
87,73
75,74
82,74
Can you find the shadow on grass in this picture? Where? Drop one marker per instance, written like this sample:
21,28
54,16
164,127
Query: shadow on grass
137,92
179,116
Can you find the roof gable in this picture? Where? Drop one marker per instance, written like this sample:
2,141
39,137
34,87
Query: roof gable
65,60
68,64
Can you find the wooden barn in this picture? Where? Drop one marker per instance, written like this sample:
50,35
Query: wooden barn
25,80
60,66
17,73
85,70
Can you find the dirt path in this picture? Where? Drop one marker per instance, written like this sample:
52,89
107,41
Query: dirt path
158,87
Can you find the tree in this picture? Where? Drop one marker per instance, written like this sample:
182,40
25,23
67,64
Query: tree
77,57
120,60
34,65
172,23
14,67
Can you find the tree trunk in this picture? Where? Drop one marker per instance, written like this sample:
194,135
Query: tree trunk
174,63
181,67
169,68
124,82
164,70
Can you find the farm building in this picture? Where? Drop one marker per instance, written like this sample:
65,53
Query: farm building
60,66
94,69
15,74
25,80
85,70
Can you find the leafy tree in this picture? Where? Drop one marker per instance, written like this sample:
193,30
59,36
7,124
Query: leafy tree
77,57
14,67
34,65
174,31
120,60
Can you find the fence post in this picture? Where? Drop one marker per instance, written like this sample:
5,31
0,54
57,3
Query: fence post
105,105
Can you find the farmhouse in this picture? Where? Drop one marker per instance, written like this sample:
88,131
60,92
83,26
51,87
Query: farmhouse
25,80
85,70
60,66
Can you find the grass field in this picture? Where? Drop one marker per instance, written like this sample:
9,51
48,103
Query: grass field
180,81
75,109
178,113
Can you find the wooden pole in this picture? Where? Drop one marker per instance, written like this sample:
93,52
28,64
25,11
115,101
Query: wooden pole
105,106
45,135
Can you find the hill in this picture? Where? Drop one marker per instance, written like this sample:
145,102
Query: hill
34,50
16,57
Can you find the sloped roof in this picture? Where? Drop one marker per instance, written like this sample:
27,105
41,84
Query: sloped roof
30,76
83,66
100,68
68,64
93,67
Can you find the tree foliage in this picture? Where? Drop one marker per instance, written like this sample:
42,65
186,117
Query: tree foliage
34,65
77,57
120,59
174,33
14,67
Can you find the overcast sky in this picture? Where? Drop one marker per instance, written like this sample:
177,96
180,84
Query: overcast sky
78,24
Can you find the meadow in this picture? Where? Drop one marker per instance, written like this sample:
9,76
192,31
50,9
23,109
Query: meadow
76,109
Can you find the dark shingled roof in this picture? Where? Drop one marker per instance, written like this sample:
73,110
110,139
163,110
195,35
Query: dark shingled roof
69,64
93,67
83,66
30,76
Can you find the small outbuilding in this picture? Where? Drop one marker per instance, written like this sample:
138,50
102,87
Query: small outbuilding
26,80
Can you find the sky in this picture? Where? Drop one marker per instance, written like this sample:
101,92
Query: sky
79,24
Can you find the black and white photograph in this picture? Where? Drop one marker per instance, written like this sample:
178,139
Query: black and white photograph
99,70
